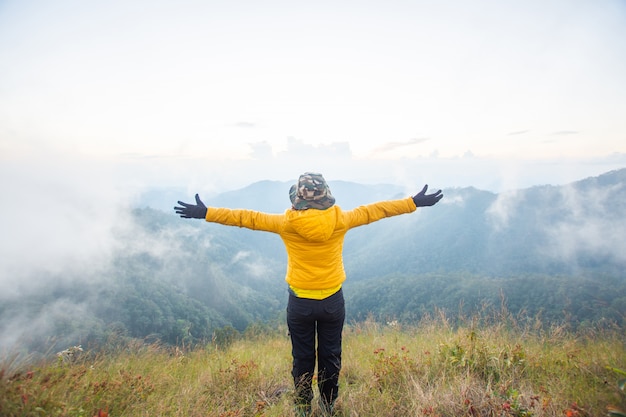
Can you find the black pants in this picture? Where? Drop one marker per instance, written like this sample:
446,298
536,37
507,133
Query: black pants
305,318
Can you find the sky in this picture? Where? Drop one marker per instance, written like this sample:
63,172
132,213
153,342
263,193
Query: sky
217,95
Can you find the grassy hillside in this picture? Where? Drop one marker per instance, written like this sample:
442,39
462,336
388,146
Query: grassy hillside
498,368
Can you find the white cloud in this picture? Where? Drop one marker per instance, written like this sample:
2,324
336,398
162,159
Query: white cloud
58,217
503,207
588,227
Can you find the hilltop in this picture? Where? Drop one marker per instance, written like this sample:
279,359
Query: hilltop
496,367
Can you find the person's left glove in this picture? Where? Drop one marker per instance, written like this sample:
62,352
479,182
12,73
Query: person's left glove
192,211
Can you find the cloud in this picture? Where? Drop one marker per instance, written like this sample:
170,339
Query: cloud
261,150
59,218
63,211
391,146
575,224
254,265
240,256
297,149
500,211
518,132
587,227
55,314
565,132
66,216
68,223
245,125
456,199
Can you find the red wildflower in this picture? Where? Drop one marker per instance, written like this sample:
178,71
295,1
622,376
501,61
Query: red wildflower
428,411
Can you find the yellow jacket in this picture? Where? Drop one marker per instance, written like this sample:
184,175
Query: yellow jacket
313,238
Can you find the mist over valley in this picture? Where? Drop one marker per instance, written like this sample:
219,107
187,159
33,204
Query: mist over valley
555,252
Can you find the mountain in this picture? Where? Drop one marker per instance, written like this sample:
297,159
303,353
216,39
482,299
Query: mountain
268,196
544,229
567,229
554,251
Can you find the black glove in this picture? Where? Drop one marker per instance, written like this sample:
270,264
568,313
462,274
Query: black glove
191,211
422,199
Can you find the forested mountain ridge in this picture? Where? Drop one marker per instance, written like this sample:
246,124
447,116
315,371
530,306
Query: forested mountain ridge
544,229
557,251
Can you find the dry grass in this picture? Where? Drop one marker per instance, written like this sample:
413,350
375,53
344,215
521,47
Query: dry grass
431,369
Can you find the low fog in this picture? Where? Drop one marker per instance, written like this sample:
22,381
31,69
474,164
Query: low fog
66,220
577,221
57,220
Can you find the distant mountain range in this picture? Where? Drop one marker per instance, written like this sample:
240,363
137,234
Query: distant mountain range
544,229
548,248
557,251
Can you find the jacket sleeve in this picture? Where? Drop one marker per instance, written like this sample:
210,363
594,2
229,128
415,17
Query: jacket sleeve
249,219
373,212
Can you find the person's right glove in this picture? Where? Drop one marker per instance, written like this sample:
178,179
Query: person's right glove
192,211
422,199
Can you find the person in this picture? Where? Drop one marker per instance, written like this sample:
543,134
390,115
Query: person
313,231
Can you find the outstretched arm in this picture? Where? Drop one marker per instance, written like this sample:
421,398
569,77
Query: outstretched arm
249,219
422,199
373,212
192,211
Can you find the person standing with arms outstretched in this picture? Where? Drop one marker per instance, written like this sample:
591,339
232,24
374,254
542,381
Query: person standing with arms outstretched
313,231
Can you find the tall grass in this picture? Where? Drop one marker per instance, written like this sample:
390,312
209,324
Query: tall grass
495,367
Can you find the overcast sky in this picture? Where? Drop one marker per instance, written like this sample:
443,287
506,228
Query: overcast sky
218,94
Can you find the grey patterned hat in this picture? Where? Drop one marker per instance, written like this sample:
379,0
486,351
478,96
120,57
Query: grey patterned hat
311,191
